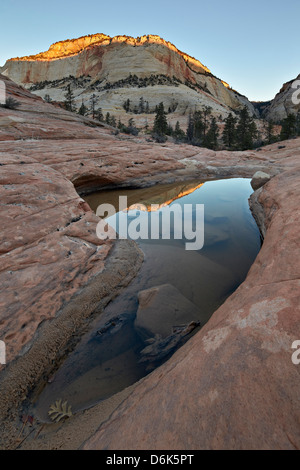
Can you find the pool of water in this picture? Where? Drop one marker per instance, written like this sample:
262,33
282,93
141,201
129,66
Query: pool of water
137,332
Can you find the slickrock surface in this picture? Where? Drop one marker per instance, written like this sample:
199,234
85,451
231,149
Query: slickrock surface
36,120
234,384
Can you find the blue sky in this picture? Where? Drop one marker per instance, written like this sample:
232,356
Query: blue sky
254,46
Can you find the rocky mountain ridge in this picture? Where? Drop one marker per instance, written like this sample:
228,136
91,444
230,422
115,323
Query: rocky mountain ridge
284,103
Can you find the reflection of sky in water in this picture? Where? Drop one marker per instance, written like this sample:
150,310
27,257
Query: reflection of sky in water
225,205
103,365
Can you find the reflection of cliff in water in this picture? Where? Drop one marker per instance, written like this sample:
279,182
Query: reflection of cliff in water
157,196
166,198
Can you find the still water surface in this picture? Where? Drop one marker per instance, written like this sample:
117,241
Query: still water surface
108,358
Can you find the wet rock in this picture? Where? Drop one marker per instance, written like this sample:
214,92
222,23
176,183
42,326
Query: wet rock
159,348
163,308
114,323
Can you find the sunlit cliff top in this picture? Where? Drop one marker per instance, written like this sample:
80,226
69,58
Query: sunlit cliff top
71,47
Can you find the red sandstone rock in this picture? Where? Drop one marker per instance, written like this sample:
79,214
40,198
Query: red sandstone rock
48,249
259,179
233,385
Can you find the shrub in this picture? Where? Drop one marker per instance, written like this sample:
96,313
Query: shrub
159,138
47,98
11,103
132,130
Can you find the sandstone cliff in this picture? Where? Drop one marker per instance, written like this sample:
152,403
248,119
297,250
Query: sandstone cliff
283,103
122,67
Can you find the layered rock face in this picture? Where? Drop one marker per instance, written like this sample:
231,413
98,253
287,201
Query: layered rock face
287,101
106,66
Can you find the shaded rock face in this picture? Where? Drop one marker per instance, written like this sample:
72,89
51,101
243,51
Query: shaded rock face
283,103
105,66
259,179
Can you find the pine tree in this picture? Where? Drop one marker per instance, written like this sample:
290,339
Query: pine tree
195,128
113,121
99,114
198,126
127,105
253,132
246,130
269,130
131,129
298,123
83,109
69,100
206,112
229,132
160,123
47,98
170,130
141,106
190,129
93,102
289,127
211,138
146,126
178,132
131,122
